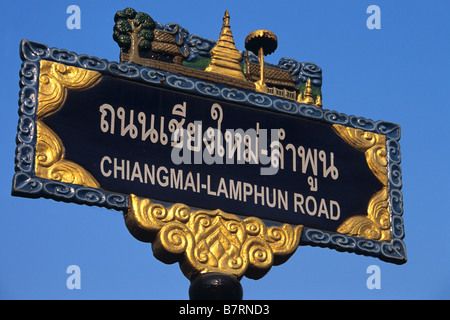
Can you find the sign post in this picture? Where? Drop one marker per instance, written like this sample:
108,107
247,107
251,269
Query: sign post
226,166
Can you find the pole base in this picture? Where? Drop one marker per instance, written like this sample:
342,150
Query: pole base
215,286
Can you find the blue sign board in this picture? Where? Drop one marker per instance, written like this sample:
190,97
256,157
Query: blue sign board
94,132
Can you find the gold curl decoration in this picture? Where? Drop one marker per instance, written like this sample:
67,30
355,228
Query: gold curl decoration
375,225
210,241
54,81
50,162
372,144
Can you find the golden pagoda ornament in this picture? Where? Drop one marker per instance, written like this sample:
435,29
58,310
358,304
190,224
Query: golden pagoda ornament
225,57
306,96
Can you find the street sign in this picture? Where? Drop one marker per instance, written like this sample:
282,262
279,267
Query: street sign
160,134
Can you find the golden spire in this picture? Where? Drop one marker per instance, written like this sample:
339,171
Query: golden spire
307,96
225,57
319,101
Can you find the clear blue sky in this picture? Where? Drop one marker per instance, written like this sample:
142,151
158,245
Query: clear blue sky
399,73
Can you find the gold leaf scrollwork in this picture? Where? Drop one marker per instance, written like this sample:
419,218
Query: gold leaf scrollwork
50,162
376,224
54,80
210,241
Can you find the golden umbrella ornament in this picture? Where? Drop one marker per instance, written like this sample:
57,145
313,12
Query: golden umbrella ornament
261,43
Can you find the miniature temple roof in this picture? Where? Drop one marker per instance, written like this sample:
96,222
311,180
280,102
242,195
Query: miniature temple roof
274,76
165,42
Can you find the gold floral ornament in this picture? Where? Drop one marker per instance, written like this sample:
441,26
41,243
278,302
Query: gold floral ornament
210,241
376,224
54,80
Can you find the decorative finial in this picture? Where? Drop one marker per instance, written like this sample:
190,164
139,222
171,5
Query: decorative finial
226,19
319,101
306,96
225,57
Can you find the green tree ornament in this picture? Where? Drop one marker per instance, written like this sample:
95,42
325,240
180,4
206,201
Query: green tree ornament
133,31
